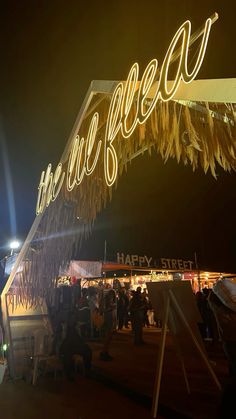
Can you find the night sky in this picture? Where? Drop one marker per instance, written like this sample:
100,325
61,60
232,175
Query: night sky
50,52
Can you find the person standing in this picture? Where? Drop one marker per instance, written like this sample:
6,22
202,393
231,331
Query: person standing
73,344
109,313
137,310
146,307
84,314
122,309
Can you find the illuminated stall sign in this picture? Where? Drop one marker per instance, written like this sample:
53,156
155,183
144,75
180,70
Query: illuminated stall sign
146,261
178,264
133,260
125,95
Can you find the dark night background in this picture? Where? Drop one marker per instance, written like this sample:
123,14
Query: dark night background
50,52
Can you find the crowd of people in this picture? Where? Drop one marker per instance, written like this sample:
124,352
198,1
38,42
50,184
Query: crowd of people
103,309
99,312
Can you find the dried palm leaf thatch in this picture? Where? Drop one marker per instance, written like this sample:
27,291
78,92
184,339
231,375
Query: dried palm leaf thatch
202,135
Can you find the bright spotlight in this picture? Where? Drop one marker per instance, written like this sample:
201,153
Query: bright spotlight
14,244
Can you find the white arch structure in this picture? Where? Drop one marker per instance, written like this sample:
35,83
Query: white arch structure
189,95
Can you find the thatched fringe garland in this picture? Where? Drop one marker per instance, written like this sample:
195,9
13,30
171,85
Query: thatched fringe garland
174,131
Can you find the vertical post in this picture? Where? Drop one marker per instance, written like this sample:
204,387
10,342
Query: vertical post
178,349
161,351
9,339
105,258
105,252
198,271
194,339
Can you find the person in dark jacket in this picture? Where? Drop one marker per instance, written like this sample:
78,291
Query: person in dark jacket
137,310
122,309
109,313
74,344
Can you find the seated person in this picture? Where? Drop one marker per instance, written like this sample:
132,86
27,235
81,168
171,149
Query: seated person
73,344
84,317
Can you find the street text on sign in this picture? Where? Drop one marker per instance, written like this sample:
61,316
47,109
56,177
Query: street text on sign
178,264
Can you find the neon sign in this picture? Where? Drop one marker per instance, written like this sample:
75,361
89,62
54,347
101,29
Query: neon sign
85,153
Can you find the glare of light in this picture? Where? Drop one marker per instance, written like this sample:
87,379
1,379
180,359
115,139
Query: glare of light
14,244
9,184
4,347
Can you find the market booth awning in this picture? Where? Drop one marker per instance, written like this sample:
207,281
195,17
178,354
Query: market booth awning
189,274
112,266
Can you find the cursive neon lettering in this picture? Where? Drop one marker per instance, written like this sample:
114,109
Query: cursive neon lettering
42,190
129,99
58,180
49,187
112,128
163,92
80,163
145,85
90,143
187,78
71,172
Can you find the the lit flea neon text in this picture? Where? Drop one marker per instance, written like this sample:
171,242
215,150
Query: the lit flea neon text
84,153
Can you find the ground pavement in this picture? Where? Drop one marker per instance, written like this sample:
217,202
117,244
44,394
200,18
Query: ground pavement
133,372
123,387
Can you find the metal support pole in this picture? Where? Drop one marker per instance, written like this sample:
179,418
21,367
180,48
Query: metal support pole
161,351
195,341
8,337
